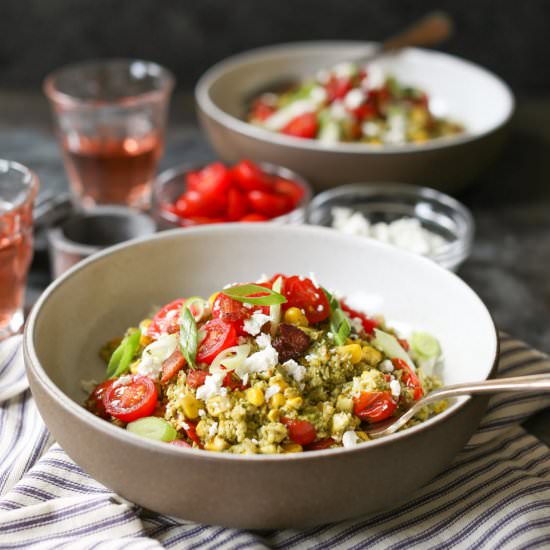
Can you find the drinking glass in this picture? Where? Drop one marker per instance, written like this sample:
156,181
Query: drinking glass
18,188
110,117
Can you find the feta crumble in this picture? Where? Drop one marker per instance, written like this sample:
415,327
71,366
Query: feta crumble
122,381
350,439
294,369
155,354
395,388
212,386
213,430
254,324
271,391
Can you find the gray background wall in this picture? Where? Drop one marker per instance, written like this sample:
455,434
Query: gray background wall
511,37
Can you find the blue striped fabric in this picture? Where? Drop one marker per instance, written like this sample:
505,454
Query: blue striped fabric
496,493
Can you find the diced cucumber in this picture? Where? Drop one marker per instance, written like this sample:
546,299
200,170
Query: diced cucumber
153,427
425,345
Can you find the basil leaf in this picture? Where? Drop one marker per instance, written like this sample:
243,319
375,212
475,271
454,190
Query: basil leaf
123,355
189,337
242,293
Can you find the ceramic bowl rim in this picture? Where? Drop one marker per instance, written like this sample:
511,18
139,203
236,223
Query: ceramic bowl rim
33,363
211,109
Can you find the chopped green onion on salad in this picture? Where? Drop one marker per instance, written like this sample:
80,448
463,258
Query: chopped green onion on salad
279,366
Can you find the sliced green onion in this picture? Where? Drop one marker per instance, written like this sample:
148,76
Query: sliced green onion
231,358
425,345
189,336
391,347
153,427
242,293
339,321
123,355
275,309
197,306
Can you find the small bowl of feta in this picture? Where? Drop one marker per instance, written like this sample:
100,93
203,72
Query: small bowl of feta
420,116
420,220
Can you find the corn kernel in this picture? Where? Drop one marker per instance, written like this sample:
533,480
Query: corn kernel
216,444
371,355
353,350
362,435
191,406
294,402
277,401
134,366
294,316
212,298
255,396
273,415
291,447
282,384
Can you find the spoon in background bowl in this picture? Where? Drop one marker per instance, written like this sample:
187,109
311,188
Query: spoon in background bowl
532,383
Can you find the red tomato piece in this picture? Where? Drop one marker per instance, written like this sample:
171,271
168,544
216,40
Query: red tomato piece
303,126
300,431
237,206
172,366
231,311
180,443
300,292
404,344
196,378
200,220
374,406
337,88
192,181
191,432
365,111
368,324
194,203
213,180
132,400
290,189
261,110
166,320
219,335
250,177
269,204
233,382
409,377
95,403
320,444
254,217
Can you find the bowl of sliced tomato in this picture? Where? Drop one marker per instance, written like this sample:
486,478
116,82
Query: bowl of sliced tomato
246,191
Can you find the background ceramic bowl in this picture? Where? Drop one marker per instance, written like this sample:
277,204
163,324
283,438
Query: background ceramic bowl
459,89
61,348
170,184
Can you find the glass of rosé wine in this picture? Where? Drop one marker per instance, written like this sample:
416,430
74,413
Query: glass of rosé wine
110,117
18,188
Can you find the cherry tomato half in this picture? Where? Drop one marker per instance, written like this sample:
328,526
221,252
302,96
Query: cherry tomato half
300,292
289,189
237,205
337,88
300,431
320,444
254,217
95,403
172,365
196,378
368,324
219,335
233,382
213,180
374,406
250,177
409,377
132,400
269,204
303,126
166,320
234,312
191,432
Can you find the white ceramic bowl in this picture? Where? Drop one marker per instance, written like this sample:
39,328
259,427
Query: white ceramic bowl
103,295
457,88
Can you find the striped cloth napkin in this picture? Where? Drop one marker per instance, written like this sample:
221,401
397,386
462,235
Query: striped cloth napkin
496,493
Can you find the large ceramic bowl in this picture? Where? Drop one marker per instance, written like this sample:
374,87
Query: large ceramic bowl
457,88
100,297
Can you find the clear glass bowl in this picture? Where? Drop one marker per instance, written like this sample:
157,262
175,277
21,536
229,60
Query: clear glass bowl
170,184
387,202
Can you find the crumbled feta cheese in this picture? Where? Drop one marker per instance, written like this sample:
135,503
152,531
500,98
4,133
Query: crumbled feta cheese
271,391
386,366
397,129
395,388
202,412
370,129
406,233
254,324
261,361
212,386
294,369
213,430
350,439
356,324
354,98
338,110
282,117
122,381
375,78
244,378
320,308
155,354
184,425
263,340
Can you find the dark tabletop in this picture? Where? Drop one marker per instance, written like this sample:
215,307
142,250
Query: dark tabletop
510,263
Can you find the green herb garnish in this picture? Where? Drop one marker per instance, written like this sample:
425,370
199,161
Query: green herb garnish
339,322
189,336
242,293
123,355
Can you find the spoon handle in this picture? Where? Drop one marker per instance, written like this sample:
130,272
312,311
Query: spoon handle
531,383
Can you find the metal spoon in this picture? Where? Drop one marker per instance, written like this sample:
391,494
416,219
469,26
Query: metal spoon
532,383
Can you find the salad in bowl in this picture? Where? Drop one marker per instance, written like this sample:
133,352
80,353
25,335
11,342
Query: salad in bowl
277,366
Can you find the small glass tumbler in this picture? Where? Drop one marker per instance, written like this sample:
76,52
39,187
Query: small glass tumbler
18,188
111,117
